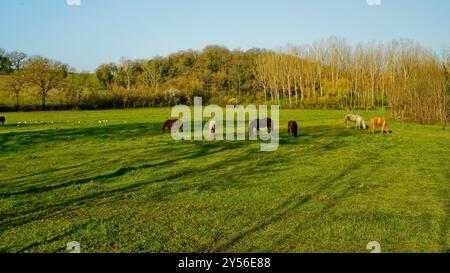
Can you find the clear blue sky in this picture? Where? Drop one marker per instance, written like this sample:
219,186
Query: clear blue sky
100,31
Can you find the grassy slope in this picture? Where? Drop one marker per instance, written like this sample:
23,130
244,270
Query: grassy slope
30,96
125,187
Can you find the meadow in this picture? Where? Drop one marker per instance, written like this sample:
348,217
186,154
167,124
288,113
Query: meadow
122,186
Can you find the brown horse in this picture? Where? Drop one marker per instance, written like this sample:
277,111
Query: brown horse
293,128
260,123
379,121
171,123
2,120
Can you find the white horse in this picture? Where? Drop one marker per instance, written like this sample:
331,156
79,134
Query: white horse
212,128
360,122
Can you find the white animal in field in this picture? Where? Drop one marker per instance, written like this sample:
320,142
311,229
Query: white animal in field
212,128
360,122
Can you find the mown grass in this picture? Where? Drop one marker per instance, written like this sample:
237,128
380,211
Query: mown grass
124,187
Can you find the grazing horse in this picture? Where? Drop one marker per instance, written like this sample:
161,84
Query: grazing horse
293,128
379,121
2,120
258,124
178,124
360,122
212,127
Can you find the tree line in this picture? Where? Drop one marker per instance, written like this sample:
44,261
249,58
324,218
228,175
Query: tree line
403,76
410,80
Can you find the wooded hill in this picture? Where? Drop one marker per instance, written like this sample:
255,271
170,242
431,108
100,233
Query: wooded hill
403,76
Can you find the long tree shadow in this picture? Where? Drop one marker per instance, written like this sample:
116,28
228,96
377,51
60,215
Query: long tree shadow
354,166
19,218
14,141
41,173
289,205
163,193
201,151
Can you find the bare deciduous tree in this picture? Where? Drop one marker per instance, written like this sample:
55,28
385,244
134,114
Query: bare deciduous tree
17,60
45,74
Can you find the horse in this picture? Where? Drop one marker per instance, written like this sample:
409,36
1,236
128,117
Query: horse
2,120
178,124
293,128
260,123
360,122
212,127
379,121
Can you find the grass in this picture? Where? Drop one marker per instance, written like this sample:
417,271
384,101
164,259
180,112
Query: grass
123,187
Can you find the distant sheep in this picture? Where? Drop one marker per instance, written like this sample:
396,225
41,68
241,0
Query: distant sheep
2,120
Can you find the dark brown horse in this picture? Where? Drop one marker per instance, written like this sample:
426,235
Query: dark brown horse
293,128
260,123
2,120
178,124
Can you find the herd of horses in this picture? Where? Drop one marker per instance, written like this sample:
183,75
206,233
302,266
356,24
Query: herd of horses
374,122
267,123
259,124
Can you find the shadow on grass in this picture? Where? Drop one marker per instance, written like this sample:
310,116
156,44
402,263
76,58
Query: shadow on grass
41,173
15,219
73,229
171,184
293,203
202,149
16,141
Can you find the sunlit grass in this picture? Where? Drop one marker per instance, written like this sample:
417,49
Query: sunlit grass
121,186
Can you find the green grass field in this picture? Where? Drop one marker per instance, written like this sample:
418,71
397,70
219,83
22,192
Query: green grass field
124,187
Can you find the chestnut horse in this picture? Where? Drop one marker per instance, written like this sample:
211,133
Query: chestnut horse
293,128
379,121
178,124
